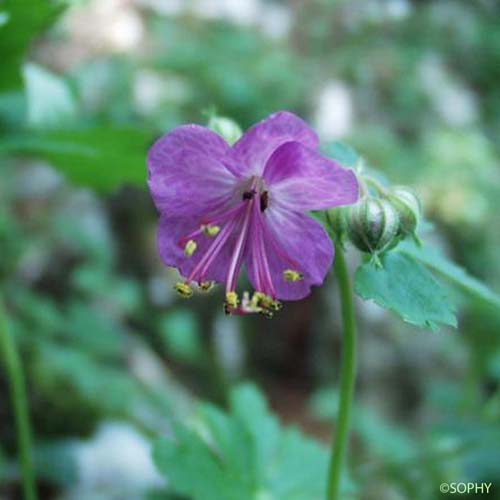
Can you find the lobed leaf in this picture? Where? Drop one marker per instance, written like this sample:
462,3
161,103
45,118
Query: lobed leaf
406,287
457,275
242,455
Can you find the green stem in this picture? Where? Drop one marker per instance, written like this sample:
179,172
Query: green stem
15,376
347,377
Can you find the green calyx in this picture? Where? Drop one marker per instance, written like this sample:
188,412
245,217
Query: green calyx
372,225
408,207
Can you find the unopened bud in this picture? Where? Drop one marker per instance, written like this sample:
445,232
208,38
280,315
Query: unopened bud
408,207
372,225
228,129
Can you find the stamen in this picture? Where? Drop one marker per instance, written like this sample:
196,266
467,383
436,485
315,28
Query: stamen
292,276
231,303
264,200
239,249
276,305
183,289
204,263
248,305
265,304
209,230
264,281
190,248
206,286
248,195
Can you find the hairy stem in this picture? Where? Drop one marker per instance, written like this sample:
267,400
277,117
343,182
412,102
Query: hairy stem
347,377
15,377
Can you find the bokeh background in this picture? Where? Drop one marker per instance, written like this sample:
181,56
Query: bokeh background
112,355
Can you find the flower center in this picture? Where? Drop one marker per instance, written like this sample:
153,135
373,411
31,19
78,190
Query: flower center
246,222
256,187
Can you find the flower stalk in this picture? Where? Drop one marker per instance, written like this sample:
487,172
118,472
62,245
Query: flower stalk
347,377
15,377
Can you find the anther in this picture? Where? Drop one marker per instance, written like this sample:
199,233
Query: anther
275,305
292,276
206,286
263,301
209,230
264,201
248,195
258,300
183,289
190,248
232,300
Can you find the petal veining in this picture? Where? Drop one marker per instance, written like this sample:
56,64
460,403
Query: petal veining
304,180
259,141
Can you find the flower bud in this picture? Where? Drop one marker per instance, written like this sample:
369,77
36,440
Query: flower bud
228,129
372,225
408,207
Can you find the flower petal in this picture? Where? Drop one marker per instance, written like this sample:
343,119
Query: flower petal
293,241
172,231
302,179
189,171
259,141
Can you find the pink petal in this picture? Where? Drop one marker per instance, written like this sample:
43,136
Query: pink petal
189,171
302,179
292,241
259,141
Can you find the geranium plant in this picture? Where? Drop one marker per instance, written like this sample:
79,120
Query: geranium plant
228,201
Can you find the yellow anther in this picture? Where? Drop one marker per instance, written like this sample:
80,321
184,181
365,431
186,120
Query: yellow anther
206,286
258,299
262,300
190,248
210,231
275,305
292,276
183,289
264,304
232,300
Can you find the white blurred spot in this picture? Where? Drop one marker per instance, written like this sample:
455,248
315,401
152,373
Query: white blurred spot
397,9
236,11
149,91
455,103
118,460
333,117
106,25
273,19
276,21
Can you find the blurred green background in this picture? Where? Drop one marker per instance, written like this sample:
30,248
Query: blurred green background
113,357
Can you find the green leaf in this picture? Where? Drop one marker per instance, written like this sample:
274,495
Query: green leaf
100,157
341,152
456,274
49,99
242,455
406,287
21,22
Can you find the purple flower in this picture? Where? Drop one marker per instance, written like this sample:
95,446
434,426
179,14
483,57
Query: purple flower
222,207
